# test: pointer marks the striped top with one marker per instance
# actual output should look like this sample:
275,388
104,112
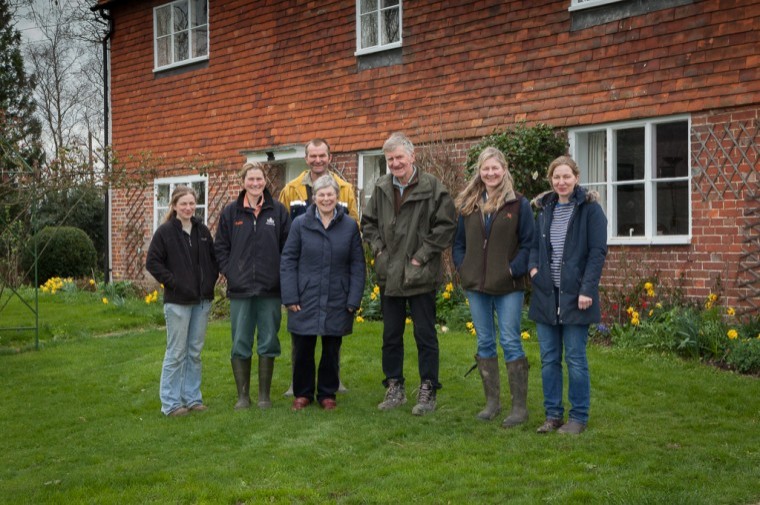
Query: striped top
557,234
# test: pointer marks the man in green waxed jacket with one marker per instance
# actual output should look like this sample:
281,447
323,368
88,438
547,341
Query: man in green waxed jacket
408,222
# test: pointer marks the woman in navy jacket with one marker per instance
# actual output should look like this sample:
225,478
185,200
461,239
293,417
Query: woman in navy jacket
322,274
251,234
566,260
181,257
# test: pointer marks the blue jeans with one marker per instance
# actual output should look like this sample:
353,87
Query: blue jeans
552,339
262,313
181,372
508,310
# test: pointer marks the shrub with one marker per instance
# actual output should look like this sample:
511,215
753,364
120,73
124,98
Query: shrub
62,252
528,150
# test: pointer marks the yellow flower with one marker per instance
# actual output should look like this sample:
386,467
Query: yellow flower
713,297
658,305
148,299
105,301
92,282
650,293
648,286
469,325
372,262
635,321
359,310
376,289
446,295
467,302
525,335
162,286
408,320
359,319
730,311
732,334
449,287
651,312
372,296
629,310
473,332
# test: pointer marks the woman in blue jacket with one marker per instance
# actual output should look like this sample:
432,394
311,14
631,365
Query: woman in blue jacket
566,260
491,249
181,257
251,234
322,275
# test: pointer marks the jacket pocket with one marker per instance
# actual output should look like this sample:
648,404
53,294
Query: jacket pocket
419,276
381,266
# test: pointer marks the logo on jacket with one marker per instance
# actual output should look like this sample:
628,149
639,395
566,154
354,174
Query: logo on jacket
508,215
270,221
239,223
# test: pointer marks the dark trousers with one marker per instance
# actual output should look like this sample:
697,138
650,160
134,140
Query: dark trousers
422,308
303,366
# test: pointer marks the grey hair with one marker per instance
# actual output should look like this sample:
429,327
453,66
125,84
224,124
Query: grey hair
397,140
324,182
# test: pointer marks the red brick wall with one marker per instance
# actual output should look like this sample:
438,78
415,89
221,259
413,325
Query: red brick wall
282,72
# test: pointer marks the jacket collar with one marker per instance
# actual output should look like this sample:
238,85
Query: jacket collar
267,199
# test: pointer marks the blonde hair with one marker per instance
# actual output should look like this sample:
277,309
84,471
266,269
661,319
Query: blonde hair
562,160
253,166
178,193
470,199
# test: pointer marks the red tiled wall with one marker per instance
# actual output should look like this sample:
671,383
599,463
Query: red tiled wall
282,72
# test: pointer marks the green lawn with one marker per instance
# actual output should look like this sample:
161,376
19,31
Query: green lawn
80,423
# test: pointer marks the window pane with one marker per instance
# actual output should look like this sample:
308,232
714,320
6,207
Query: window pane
162,195
163,16
369,30
673,208
368,6
200,12
199,187
602,190
200,42
593,159
630,154
390,26
163,51
180,16
374,167
672,149
389,3
630,210
181,47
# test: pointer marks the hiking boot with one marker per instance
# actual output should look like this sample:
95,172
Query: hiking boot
549,425
572,427
395,395
179,412
425,399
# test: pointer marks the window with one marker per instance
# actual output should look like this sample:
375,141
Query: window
162,194
378,25
371,167
181,33
586,4
641,171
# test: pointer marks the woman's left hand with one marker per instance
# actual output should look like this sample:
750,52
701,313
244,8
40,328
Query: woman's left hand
584,302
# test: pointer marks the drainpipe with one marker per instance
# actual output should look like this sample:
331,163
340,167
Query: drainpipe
106,143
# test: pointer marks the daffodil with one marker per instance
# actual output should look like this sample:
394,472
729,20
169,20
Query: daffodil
446,295
525,335
469,325
732,334
359,319
648,286
730,311
372,296
408,320
92,282
376,289
449,287
105,301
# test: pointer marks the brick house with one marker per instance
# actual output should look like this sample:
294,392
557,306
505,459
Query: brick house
660,100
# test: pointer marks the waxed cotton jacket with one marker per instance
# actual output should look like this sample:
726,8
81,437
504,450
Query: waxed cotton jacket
495,260
294,196
422,229
582,262
323,271
248,247
169,261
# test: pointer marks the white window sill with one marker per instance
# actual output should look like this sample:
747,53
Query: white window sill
377,49
644,241
180,64
590,4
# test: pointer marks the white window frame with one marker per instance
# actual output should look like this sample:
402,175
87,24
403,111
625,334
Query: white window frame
577,5
650,236
360,177
379,47
191,30
183,180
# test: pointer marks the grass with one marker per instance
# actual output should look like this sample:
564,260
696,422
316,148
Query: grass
80,423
